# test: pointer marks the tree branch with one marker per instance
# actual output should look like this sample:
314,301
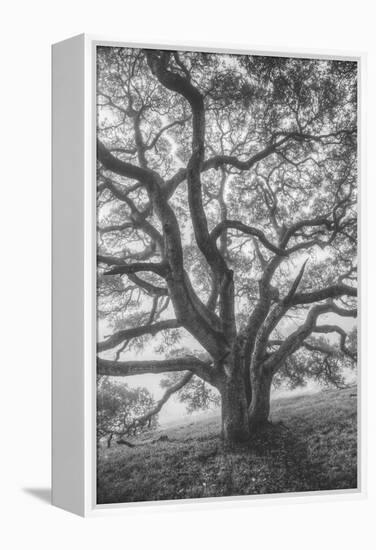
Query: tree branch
315,222
132,368
148,287
125,169
223,160
158,63
228,160
233,224
334,291
123,268
287,300
164,129
142,420
126,334
325,329
295,339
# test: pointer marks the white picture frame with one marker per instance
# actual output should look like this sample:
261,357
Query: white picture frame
74,279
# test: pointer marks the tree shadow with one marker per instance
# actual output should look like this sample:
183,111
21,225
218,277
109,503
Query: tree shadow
41,493
286,453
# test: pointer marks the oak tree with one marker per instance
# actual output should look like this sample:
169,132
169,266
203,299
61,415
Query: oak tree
123,412
226,222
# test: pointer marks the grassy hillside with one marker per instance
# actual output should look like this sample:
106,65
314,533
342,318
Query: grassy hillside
311,446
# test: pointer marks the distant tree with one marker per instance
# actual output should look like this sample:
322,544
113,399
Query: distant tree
227,223
123,411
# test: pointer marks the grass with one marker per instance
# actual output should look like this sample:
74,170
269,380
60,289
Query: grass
311,446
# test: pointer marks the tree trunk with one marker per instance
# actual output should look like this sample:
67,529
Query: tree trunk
235,427
259,409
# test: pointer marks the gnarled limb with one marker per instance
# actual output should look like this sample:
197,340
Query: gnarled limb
142,420
122,168
296,338
122,268
333,291
314,222
158,63
243,228
132,368
275,314
326,329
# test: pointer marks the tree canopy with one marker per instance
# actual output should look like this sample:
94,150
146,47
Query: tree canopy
123,411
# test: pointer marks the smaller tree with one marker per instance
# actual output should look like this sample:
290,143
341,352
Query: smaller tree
195,394
123,411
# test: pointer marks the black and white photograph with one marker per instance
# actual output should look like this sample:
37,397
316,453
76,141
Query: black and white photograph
227,293
188,275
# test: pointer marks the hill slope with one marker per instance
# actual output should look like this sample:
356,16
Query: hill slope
311,446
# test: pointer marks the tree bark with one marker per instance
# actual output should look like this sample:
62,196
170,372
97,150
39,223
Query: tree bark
235,427
259,409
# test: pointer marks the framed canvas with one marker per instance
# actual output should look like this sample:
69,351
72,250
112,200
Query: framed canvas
205,287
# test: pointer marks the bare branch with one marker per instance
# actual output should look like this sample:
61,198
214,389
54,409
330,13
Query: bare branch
295,284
